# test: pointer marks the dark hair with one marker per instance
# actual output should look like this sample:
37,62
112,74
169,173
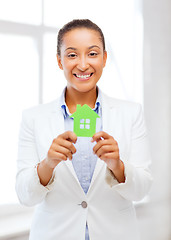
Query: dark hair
77,23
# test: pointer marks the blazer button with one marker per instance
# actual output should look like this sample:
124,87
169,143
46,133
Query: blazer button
84,204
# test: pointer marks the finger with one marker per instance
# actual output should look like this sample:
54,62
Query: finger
67,144
105,149
70,136
100,135
63,150
99,144
109,141
56,156
111,155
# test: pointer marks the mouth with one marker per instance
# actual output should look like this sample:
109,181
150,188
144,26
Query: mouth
83,76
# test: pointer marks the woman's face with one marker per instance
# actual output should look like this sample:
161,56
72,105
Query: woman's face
82,59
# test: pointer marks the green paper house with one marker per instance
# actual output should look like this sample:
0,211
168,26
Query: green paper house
84,121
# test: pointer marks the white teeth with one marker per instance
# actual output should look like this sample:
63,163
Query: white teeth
83,76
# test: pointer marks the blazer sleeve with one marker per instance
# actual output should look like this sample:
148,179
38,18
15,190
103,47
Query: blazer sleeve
28,187
137,165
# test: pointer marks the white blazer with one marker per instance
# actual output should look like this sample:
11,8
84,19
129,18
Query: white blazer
109,213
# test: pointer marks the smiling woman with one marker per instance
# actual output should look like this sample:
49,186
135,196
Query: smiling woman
78,179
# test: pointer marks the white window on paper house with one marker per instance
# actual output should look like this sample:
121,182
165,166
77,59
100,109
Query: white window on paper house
84,123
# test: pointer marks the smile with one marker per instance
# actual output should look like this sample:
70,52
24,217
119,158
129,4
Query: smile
83,76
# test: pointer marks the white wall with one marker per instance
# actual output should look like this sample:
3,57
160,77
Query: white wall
157,105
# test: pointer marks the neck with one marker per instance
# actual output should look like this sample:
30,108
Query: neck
73,97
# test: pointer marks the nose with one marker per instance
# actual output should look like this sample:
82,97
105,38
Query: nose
83,63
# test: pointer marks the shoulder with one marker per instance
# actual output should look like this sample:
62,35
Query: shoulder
119,104
127,112
41,109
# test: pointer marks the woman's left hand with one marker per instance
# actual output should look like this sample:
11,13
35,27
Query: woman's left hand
107,150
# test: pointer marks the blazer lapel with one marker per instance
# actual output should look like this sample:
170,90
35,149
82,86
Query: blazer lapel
106,114
57,123
69,165
99,165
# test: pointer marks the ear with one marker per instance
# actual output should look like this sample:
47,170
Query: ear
104,58
59,62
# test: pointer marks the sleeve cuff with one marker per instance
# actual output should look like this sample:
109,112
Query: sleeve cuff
51,182
112,181
110,178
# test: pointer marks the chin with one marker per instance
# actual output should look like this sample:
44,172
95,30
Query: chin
85,89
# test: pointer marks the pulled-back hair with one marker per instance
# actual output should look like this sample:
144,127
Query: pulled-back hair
78,23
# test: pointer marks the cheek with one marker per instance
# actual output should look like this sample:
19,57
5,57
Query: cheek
99,66
68,64
67,67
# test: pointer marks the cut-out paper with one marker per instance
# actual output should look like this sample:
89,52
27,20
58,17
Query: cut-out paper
84,121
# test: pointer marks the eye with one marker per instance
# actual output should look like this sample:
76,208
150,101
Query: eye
93,54
72,55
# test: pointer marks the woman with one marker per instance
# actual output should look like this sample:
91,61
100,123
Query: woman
83,187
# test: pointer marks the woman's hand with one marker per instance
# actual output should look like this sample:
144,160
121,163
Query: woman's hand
61,149
107,150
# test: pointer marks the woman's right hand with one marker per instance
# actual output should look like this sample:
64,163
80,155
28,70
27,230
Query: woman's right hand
61,149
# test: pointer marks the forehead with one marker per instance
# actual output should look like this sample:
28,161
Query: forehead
81,37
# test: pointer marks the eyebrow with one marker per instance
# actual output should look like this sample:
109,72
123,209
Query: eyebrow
93,46
72,48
